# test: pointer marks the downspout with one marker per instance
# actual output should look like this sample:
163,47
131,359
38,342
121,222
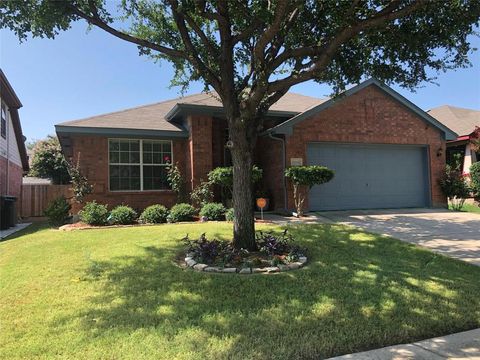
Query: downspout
284,182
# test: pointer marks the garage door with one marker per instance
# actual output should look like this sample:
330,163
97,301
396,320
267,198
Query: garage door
370,176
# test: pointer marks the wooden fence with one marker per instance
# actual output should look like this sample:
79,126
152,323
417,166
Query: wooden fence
35,198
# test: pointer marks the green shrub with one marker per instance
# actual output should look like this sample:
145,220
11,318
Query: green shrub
453,183
475,176
229,215
94,214
202,194
305,177
154,214
223,177
122,215
213,211
181,212
58,211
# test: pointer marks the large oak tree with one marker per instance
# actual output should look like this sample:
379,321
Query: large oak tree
252,51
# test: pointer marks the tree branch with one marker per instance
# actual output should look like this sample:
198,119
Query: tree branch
325,53
192,53
97,21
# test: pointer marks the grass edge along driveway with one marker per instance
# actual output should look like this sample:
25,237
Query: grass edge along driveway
115,293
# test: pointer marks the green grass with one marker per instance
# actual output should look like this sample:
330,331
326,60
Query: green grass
468,208
116,294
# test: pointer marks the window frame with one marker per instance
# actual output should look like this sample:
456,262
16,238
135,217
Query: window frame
3,128
140,164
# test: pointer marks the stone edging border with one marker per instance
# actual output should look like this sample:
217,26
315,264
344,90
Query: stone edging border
191,263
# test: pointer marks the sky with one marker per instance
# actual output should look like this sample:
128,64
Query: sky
84,73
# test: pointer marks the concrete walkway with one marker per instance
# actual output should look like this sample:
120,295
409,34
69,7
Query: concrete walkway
464,345
12,230
455,234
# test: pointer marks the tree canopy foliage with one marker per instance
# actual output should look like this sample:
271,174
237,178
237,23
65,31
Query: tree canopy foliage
48,161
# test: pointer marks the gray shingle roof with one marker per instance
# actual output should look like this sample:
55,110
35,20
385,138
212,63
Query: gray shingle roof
153,116
462,121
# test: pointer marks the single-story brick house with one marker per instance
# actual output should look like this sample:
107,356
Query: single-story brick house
13,155
466,123
386,152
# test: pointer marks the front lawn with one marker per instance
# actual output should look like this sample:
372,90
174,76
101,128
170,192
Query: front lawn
116,294
468,208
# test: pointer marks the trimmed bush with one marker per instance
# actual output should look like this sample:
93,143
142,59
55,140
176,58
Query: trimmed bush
229,215
306,177
213,211
475,176
181,212
58,211
122,215
94,214
154,214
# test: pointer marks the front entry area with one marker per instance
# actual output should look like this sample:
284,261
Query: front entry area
370,176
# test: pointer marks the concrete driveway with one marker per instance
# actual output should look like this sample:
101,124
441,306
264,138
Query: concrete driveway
455,234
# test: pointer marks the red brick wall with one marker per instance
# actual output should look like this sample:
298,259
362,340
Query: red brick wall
199,159
268,156
369,116
93,152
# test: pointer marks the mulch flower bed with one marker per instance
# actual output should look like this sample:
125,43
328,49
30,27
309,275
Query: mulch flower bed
276,253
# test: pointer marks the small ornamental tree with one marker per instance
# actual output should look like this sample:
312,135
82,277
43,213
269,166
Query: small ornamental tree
303,178
80,185
454,184
176,181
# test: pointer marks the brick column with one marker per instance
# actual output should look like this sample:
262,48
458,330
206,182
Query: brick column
200,154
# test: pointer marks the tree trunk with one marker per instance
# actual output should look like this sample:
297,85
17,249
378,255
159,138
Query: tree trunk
242,158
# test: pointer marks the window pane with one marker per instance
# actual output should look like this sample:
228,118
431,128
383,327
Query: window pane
147,145
114,157
157,158
157,147
113,145
134,158
147,158
114,171
155,178
124,145
124,157
134,145
166,147
124,177
114,184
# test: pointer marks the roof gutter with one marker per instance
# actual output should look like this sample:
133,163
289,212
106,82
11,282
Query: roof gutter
123,132
187,109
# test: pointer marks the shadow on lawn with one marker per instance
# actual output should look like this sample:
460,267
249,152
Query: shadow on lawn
355,294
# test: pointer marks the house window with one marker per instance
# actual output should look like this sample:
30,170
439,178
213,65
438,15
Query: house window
137,165
3,124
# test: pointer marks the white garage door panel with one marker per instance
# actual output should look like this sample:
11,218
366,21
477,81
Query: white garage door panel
370,176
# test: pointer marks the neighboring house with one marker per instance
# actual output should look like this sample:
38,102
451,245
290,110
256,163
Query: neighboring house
464,122
386,152
13,155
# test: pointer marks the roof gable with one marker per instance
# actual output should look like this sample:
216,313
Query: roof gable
287,126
